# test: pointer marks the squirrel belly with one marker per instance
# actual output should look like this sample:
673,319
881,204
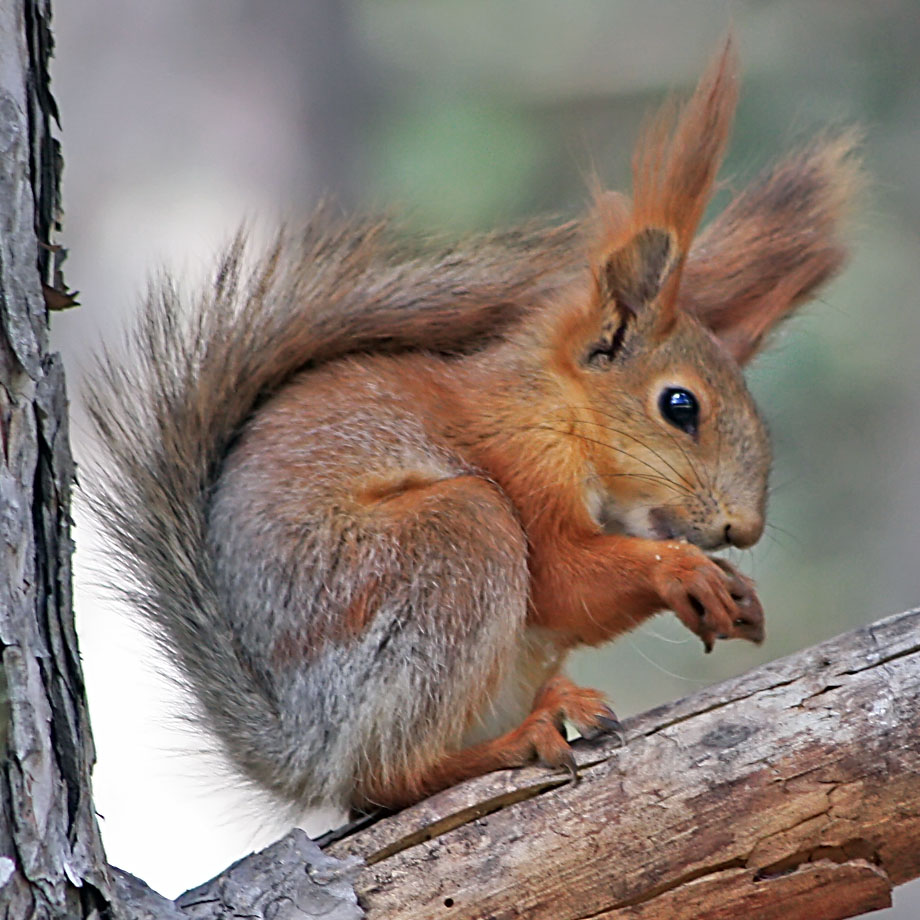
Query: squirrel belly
367,493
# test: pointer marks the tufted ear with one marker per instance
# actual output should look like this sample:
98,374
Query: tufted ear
774,245
629,284
642,243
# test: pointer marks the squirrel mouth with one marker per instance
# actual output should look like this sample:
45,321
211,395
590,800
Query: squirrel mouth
649,524
662,527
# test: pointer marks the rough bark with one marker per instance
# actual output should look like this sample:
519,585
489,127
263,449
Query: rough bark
290,880
51,859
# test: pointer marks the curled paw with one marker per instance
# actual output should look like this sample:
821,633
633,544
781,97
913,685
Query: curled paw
559,701
709,595
749,622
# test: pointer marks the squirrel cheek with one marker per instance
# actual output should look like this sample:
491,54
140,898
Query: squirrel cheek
602,512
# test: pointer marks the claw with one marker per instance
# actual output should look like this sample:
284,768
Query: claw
606,724
568,764
610,726
617,731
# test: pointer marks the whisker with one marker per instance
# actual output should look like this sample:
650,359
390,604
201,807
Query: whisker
644,477
639,441
661,637
786,533
707,485
619,450
720,432
658,667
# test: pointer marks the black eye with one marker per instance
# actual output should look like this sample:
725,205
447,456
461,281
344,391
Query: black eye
680,408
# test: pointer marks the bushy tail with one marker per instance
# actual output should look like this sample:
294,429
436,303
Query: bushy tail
196,369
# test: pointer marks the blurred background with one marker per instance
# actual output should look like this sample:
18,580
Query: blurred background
181,119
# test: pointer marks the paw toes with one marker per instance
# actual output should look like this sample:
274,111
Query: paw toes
551,749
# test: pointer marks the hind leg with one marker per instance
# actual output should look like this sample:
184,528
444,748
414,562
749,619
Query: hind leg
539,738
444,638
480,615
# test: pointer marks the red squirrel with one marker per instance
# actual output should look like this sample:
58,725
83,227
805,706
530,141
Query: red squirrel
369,493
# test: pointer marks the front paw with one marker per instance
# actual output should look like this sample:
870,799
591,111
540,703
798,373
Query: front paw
749,622
710,597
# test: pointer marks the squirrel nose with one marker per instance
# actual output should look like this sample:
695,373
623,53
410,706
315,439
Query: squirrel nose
743,529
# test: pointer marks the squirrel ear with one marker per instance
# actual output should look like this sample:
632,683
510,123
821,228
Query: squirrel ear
631,284
634,275
774,245
643,243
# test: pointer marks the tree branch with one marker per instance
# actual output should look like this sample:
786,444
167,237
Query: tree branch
791,792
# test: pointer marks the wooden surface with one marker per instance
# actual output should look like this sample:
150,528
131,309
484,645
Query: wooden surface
791,792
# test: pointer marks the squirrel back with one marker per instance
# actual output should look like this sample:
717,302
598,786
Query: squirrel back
342,354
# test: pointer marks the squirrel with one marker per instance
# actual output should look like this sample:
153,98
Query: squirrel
369,491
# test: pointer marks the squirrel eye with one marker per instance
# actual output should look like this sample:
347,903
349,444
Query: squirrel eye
680,408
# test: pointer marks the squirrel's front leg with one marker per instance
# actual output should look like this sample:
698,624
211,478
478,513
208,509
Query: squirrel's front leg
600,585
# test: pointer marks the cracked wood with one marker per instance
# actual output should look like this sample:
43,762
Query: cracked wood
792,791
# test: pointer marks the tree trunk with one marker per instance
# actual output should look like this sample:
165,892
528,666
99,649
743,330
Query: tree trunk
791,792
51,859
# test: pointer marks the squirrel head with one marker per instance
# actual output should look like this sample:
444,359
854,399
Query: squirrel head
650,346
672,439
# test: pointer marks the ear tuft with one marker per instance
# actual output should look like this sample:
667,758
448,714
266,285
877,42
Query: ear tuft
681,149
774,245
644,242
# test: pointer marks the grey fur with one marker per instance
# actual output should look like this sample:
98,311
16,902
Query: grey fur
241,427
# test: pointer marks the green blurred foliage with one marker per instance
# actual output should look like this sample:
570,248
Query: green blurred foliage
440,136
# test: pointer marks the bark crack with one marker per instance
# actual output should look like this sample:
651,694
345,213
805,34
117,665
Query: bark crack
466,816
671,885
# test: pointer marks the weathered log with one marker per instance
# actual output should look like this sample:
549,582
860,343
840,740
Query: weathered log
791,792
